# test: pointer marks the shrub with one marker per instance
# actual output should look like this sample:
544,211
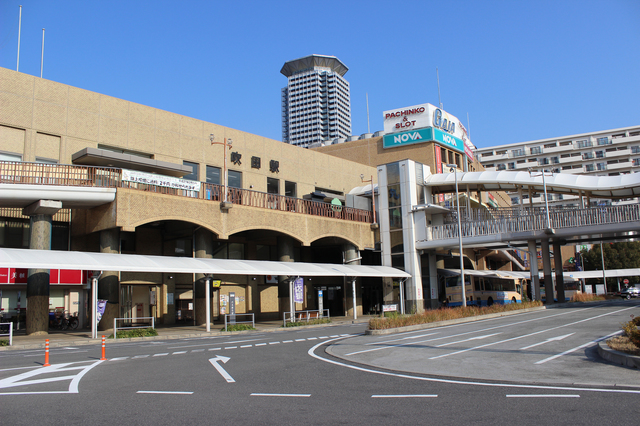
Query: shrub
238,327
631,330
311,322
444,314
136,332
586,297
4,342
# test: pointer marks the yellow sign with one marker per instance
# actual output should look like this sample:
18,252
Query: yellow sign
216,283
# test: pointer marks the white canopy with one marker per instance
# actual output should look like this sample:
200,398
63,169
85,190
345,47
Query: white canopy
50,259
622,186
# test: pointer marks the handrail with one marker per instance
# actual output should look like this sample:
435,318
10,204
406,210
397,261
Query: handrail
10,333
131,320
109,177
559,219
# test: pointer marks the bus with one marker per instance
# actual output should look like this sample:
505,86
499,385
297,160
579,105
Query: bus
571,288
482,288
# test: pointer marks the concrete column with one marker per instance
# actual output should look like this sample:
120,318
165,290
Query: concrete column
350,254
285,254
41,213
546,266
204,250
533,267
168,310
433,281
557,260
109,283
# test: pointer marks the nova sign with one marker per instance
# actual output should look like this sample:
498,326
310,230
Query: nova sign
407,138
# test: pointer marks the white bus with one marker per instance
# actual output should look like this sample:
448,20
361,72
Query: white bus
482,288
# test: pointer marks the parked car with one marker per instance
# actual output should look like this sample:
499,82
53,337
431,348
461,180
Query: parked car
629,292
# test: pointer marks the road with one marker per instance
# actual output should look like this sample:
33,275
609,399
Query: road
486,372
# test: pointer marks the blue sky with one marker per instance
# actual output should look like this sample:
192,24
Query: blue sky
522,70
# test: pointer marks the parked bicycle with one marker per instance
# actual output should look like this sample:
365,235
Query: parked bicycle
61,321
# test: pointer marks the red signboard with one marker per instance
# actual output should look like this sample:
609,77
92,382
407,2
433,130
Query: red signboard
56,276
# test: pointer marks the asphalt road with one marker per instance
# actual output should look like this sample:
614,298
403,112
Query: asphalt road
312,376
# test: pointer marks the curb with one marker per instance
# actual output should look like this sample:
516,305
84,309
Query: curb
448,322
617,357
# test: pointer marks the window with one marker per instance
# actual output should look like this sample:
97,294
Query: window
46,160
235,179
487,154
636,161
587,155
583,143
501,167
555,160
543,161
536,150
604,141
601,166
566,143
194,171
589,168
518,152
214,175
5,156
290,189
599,154
550,145
511,166
273,186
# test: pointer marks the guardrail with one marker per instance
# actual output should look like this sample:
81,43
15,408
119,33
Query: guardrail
558,219
107,177
228,316
299,316
132,321
10,333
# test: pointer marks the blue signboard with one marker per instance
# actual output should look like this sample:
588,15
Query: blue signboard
449,140
407,138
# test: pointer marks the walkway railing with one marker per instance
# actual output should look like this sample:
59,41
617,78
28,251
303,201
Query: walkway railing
537,221
106,177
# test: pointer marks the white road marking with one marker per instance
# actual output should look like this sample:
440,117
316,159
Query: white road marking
197,350
293,395
312,353
543,396
179,353
404,396
140,356
398,340
300,340
312,338
469,339
119,359
215,349
533,334
261,344
162,354
246,346
222,371
231,347
25,379
287,341
168,392
274,343
593,342
552,339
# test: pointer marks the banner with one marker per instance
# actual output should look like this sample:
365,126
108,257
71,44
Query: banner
298,290
159,180
102,304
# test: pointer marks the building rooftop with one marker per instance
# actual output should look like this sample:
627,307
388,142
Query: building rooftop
309,62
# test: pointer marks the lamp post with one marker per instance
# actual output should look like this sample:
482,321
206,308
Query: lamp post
548,230
226,143
454,169
373,196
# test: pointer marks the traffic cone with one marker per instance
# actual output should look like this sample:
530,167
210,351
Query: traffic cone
46,354
104,358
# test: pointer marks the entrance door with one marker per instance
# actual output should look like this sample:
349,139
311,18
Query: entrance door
333,300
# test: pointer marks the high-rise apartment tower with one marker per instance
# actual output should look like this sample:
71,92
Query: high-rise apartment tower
316,103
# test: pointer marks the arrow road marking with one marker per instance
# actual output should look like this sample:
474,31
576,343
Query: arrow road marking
547,341
466,340
222,371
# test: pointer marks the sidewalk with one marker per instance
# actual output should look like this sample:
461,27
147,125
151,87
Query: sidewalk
83,337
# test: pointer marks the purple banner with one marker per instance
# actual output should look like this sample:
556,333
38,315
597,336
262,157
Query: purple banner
298,290
102,304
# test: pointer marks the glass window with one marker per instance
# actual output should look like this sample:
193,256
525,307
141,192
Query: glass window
394,195
290,189
395,218
214,175
273,186
4,156
393,173
235,179
194,171
396,241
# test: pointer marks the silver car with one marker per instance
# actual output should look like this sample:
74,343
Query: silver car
629,292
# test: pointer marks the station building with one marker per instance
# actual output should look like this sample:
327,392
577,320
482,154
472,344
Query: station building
83,171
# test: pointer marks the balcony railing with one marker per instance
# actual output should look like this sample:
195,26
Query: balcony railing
106,177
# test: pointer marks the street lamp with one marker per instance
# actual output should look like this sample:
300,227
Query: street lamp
454,168
226,143
549,229
373,197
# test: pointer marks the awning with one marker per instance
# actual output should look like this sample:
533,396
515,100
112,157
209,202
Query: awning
51,259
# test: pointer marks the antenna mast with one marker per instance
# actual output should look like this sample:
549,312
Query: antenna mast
368,128
438,77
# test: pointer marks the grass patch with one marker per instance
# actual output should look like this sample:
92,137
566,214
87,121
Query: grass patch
443,314
238,327
586,297
4,342
311,322
136,332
